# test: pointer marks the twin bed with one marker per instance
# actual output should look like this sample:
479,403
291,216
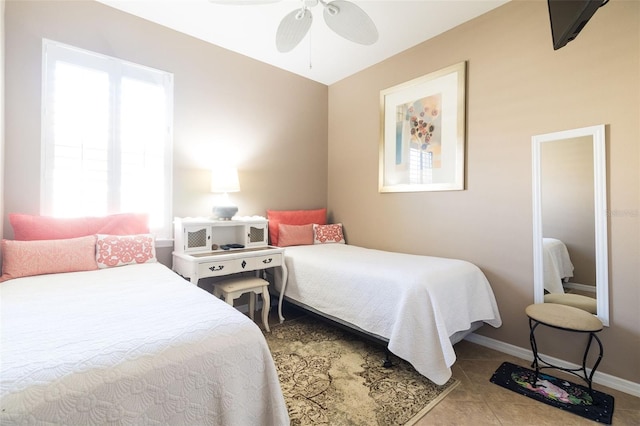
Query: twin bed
419,306
137,344
132,344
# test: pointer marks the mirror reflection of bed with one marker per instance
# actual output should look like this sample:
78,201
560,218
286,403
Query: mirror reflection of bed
558,268
559,286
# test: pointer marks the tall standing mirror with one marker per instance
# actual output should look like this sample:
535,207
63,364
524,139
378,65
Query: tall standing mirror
570,220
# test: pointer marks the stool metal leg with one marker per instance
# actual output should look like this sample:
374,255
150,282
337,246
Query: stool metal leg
584,359
537,360
534,349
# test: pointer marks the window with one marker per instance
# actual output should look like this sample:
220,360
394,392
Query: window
420,165
107,137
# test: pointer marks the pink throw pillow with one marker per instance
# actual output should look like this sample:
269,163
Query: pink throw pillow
120,250
323,234
26,258
28,227
295,235
293,217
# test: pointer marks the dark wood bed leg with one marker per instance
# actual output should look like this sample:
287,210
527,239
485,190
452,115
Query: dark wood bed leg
387,359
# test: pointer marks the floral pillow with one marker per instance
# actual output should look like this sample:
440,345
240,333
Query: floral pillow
120,250
323,234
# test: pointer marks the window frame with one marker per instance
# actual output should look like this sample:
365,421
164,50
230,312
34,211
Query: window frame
117,69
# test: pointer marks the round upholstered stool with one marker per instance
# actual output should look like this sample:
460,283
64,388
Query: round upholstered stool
567,318
577,301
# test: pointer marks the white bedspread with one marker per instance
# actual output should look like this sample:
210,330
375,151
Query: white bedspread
416,302
556,264
131,345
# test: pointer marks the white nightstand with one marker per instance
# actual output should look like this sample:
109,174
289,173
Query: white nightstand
194,258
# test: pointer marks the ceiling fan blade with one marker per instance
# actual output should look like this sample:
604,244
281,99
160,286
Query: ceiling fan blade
349,21
243,2
292,29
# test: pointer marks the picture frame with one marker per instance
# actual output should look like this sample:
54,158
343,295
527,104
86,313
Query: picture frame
423,133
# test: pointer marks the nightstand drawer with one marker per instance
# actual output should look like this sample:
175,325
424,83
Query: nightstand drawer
220,263
222,267
267,261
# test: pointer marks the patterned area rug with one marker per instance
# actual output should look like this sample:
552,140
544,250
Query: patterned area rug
560,393
332,377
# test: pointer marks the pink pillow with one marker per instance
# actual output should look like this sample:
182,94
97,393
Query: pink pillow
119,250
26,258
28,227
323,234
295,235
293,217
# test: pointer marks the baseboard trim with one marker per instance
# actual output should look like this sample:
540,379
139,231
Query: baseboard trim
604,379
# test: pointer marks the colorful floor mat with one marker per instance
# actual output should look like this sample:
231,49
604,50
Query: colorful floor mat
559,393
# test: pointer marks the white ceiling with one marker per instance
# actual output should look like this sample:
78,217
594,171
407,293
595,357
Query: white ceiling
322,56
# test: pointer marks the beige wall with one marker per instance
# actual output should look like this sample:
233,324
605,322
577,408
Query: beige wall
518,86
272,123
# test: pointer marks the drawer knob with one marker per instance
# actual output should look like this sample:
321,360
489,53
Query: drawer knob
215,268
267,261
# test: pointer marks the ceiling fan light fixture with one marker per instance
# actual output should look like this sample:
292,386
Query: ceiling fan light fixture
343,17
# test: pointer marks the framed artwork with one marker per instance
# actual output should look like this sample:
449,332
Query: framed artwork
422,139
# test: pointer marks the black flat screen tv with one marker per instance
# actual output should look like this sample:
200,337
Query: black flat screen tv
568,17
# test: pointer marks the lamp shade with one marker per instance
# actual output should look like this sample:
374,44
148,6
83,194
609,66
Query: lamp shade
224,179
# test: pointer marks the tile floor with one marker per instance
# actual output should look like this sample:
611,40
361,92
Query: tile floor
478,402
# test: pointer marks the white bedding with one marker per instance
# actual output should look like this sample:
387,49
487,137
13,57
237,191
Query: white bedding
556,264
131,345
415,302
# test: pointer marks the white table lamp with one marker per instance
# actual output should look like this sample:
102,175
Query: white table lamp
224,180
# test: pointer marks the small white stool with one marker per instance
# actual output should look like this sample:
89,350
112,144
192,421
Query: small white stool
233,288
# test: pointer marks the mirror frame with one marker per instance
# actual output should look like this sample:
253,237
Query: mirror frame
600,214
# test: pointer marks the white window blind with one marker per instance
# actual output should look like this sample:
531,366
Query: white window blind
107,137
420,165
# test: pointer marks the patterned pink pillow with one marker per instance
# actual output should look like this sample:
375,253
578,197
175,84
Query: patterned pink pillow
295,235
323,234
27,258
120,250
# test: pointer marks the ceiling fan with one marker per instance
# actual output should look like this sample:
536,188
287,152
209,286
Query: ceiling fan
343,17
